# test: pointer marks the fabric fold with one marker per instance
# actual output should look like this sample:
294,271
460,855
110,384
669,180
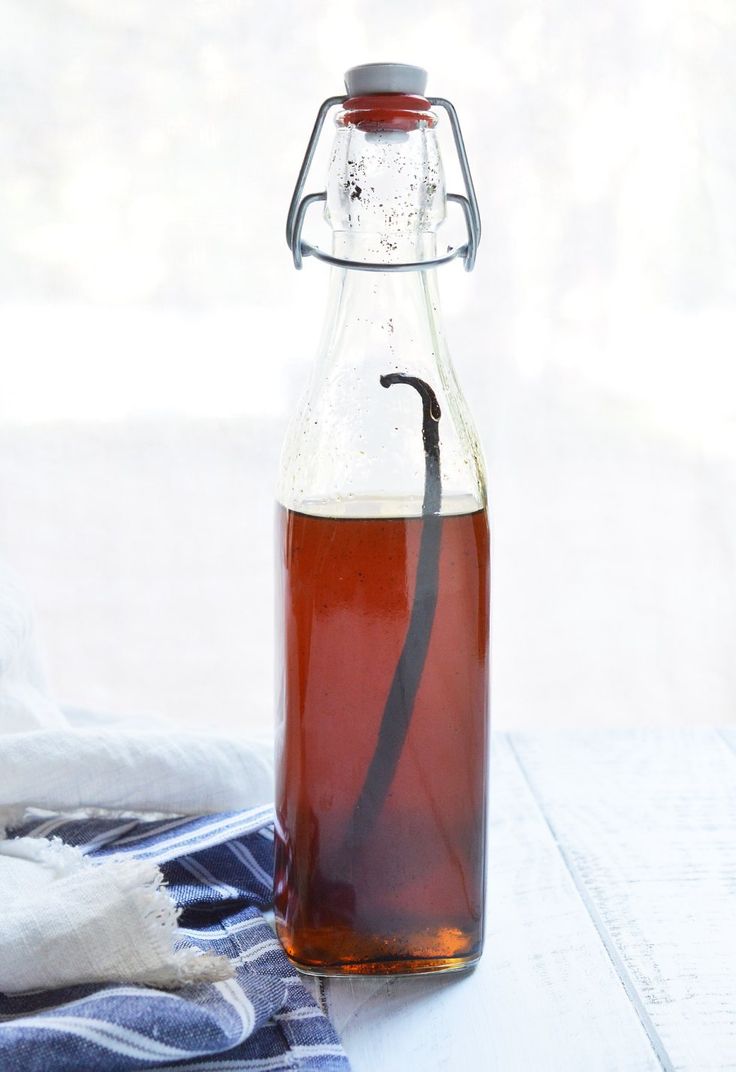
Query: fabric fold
69,920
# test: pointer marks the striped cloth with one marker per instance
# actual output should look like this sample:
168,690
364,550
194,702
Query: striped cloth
219,869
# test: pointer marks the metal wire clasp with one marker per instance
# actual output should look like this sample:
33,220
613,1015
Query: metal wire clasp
300,248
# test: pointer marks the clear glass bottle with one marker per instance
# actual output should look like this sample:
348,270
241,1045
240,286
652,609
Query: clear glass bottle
383,560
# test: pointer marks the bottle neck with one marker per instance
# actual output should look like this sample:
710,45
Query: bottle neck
385,248
380,319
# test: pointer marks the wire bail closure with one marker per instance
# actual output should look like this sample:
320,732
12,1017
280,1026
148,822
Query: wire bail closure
299,206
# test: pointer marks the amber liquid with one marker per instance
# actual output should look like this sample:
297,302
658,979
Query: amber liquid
409,896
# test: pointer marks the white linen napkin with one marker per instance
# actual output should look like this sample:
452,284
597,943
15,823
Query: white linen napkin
67,919
180,773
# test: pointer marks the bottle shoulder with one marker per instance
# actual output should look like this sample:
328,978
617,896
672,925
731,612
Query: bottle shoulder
360,431
353,448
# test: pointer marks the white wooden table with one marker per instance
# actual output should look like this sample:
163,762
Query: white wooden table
611,928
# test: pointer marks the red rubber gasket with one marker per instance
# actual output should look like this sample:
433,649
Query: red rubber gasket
387,111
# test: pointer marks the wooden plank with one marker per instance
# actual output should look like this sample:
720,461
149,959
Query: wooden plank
545,995
647,823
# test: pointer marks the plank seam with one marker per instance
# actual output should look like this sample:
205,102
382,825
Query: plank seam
608,944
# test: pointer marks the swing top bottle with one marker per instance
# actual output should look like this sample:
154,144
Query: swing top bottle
383,560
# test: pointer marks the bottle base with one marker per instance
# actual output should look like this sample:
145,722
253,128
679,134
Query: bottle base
389,969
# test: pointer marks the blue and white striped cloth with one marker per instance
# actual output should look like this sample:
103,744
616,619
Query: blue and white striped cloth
219,869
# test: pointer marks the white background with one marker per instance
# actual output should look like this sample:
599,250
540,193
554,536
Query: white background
154,337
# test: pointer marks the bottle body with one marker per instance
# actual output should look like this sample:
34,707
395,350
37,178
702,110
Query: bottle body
410,897
383,574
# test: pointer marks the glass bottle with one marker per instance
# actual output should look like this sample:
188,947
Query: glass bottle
383,561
